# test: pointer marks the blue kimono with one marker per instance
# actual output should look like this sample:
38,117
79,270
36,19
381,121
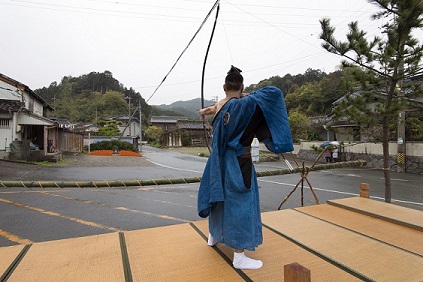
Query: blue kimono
228,192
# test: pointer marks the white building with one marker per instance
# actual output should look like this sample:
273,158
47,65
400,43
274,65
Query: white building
24,125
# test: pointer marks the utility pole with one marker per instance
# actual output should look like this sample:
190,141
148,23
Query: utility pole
140,140
129,112
54,105
401,156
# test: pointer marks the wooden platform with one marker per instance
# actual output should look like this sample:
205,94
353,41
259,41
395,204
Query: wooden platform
350,239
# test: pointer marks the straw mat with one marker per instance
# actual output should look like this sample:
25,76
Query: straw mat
276,251
8,255
391,233
358,239
364,256
175,253
93,258
400,215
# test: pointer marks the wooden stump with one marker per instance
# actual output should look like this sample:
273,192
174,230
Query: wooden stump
295,272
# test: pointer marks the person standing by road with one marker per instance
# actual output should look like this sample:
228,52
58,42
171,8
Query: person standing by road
228,192
328,156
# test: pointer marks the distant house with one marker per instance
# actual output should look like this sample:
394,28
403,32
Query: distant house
345,130
131,130
85,128
63,123
319,124
70,139
179,131
193,132
25,128
131,133
167,123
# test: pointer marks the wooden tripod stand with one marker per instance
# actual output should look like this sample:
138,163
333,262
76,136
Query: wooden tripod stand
304,171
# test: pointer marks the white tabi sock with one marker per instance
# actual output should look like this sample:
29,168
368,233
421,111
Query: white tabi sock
211,242
241,261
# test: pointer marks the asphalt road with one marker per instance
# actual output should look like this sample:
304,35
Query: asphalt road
35,215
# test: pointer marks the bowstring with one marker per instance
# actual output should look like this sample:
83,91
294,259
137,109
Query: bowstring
216,4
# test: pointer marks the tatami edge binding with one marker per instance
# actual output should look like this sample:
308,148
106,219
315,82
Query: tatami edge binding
320,255
125,258
361,234
228,260
15,263
378,216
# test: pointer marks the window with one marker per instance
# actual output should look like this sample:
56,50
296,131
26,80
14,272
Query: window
4,123
31,105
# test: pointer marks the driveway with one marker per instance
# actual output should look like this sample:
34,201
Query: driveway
73,167
80,167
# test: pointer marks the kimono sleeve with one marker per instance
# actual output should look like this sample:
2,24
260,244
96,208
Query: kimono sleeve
271,101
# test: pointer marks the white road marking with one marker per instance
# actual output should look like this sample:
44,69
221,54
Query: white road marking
315,188
175,168
340,192
395,179
305,186
341,174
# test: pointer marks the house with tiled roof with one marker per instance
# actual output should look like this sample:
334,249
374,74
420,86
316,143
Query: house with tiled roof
24,122
350,131
130,126
180,131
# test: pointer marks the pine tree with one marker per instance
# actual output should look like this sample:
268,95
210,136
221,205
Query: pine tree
385,61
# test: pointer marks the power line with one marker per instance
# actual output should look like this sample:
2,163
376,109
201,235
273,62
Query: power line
67,7
119,13
183,51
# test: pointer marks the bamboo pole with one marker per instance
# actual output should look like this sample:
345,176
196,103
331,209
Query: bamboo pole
153,182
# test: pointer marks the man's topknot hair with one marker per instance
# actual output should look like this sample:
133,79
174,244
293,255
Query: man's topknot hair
234,79
234,70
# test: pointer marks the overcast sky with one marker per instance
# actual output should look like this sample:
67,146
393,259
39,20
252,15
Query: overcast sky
139,41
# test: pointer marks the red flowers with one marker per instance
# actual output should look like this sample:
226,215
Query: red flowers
102,153
129,153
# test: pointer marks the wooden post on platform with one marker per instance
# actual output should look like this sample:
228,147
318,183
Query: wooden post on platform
295,272
364,190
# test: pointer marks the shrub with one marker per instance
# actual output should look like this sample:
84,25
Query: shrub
113,145
155,144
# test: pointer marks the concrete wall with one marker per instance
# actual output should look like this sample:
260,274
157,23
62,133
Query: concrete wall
414,149
372,154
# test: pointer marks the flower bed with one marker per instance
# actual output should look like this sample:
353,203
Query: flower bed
102,153
129,153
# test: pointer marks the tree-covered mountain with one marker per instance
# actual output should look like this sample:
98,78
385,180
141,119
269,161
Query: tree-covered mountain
187,108
289,83
90,97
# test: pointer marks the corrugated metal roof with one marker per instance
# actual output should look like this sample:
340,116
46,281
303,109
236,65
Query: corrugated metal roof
123,119
191,124
7,92
29,119
166,119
